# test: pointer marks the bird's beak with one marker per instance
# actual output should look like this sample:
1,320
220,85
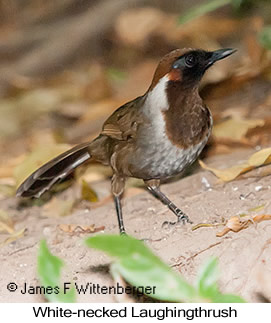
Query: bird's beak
220,54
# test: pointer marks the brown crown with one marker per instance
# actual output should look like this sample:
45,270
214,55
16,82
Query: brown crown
165,64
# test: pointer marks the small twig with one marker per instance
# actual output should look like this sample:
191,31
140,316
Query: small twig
196,254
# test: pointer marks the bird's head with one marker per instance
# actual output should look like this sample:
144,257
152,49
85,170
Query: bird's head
187,66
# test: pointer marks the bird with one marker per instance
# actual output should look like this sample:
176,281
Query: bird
153,137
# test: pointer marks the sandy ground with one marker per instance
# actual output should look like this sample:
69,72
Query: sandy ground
244,257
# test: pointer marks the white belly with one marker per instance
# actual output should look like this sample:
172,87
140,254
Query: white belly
165,159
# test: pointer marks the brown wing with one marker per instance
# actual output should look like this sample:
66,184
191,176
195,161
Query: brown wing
123,123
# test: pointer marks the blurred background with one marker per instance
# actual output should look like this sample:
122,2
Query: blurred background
65,65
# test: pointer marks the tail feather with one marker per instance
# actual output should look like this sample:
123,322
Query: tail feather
56,169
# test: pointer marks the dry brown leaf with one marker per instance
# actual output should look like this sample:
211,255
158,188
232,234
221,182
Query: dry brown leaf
237,223
138,80
233,82
254,48
129,192
235,129
7,190
57,207
102,202
260,158
204,225
219,149
90,123
261,217
87,192
134,182
132,191
227,174
7,167
99,110
6,223
37,158
261,136
76,228
135,26
93,173
257,208
16,235
209,25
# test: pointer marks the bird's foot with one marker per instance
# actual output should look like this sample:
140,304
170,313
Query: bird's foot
182,219
168,224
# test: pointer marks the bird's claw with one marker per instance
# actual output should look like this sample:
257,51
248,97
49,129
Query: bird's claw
182,218
168,224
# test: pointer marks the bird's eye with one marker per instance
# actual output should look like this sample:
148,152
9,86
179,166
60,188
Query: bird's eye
190,60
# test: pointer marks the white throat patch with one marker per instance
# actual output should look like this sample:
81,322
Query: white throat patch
157,97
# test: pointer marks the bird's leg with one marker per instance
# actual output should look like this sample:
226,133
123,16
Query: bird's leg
153,187
117,186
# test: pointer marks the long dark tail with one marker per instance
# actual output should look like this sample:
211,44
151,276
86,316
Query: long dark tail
58,168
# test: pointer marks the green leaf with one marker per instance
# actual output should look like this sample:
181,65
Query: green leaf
201,10
237,4
116,74
207,284
49,271
140,267
228,298
207,279
265,37
242,6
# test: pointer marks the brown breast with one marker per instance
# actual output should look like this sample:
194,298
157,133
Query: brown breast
188,120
